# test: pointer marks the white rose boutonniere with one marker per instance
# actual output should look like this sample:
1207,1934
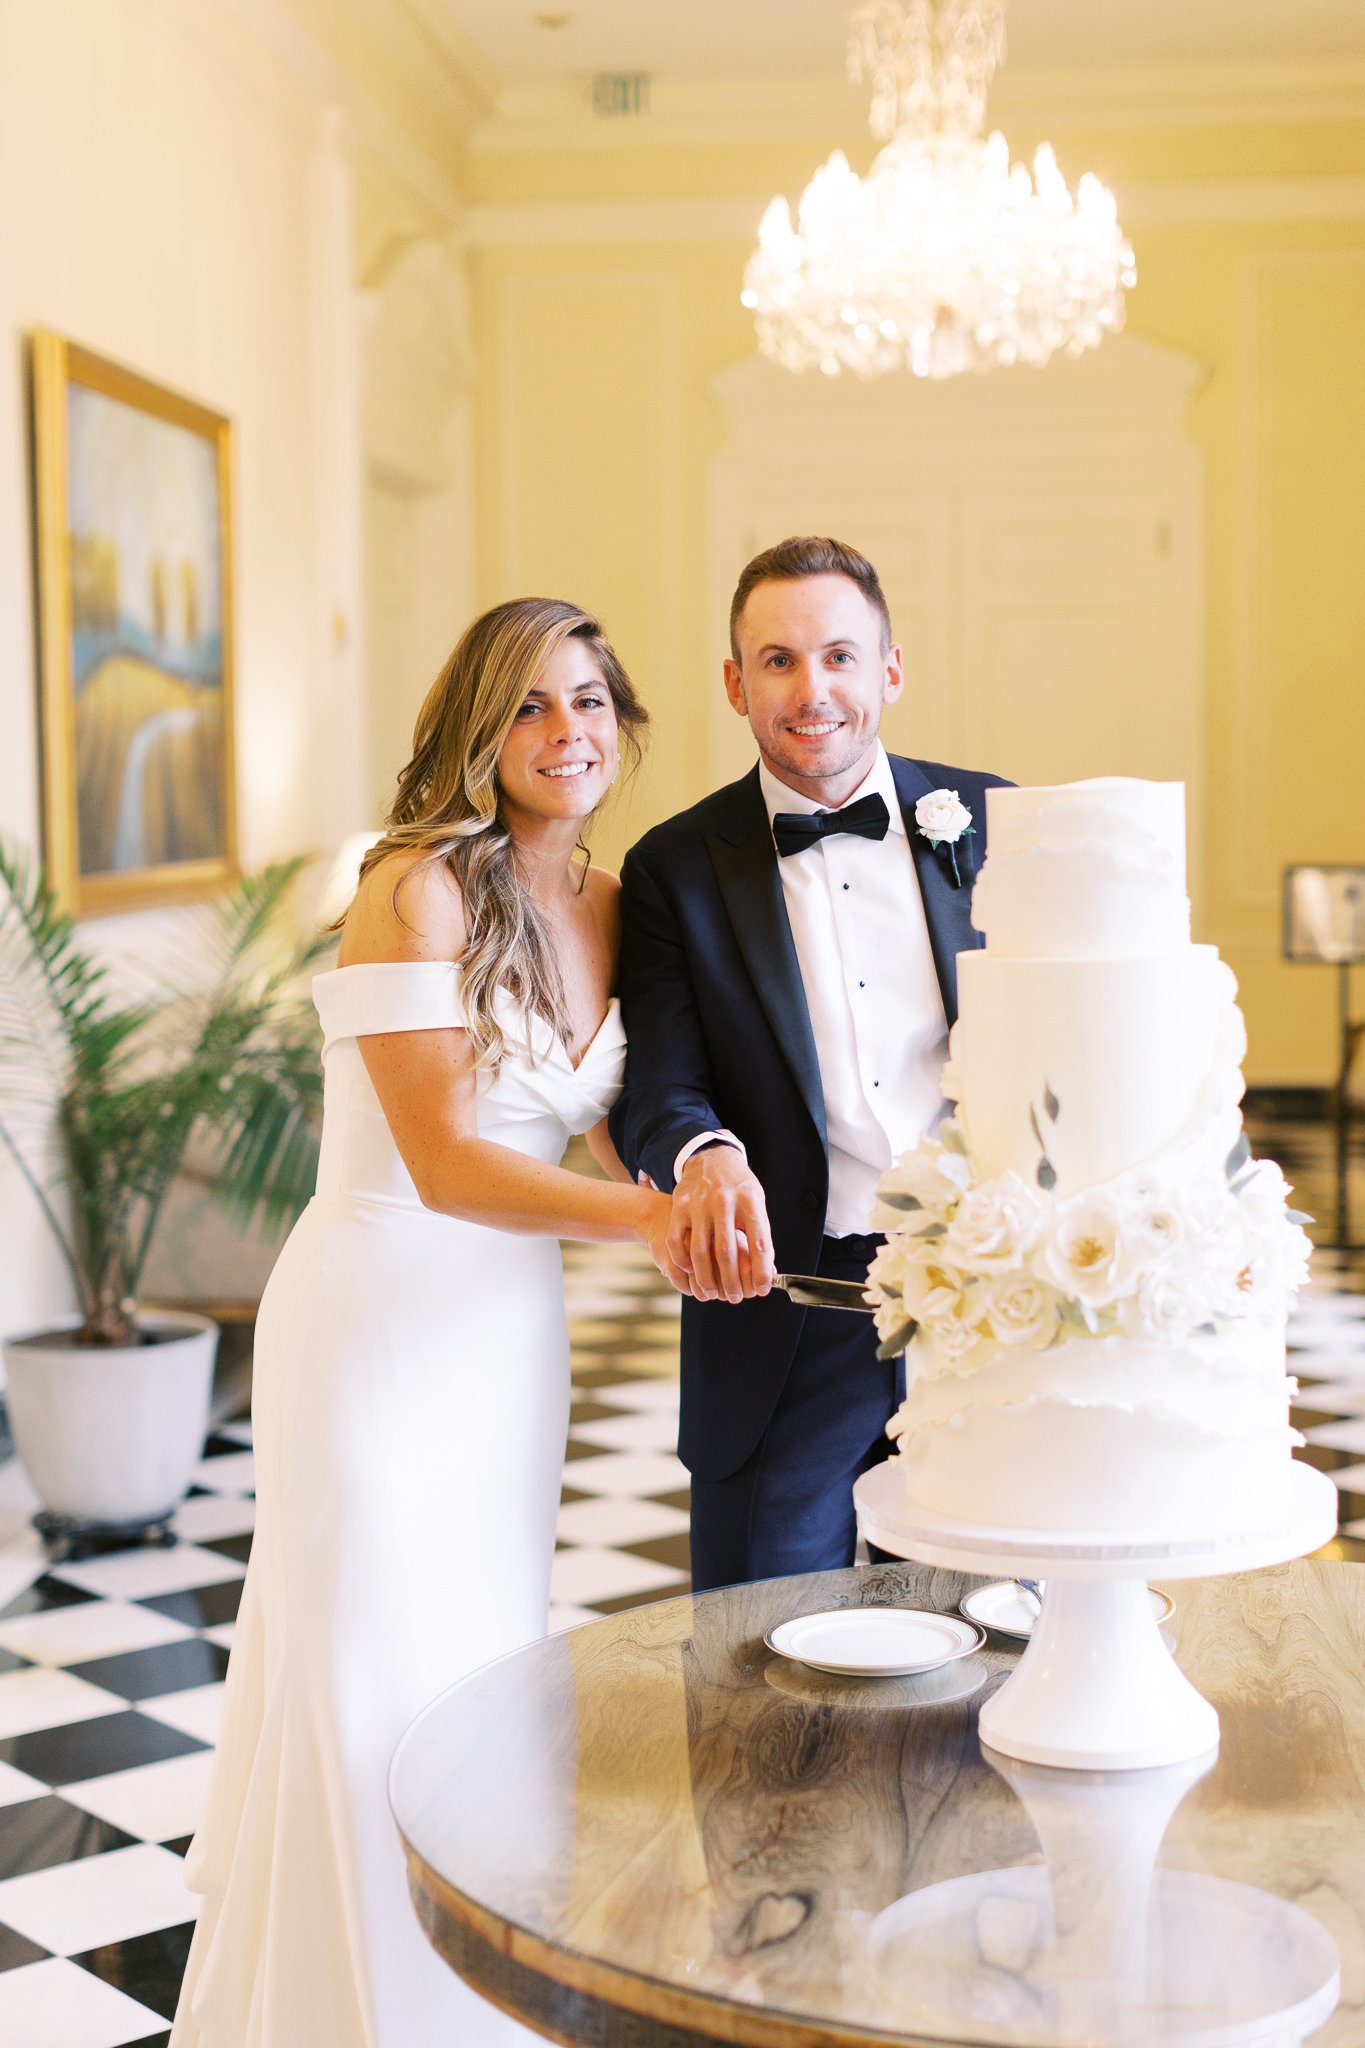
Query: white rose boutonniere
944,819
942,816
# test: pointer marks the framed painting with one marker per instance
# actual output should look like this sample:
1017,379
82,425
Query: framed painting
133,496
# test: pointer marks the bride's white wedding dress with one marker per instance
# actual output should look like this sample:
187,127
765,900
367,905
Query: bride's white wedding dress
410,1406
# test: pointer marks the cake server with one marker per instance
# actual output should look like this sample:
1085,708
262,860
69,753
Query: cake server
808,1290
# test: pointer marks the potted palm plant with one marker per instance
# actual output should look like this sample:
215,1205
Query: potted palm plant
101,1089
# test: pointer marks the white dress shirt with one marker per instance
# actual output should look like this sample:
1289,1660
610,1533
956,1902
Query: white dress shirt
876,1011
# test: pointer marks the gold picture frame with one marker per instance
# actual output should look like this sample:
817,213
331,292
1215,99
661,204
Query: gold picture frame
133,491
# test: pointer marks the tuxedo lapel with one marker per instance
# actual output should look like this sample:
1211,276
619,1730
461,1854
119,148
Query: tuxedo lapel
745,864
947,909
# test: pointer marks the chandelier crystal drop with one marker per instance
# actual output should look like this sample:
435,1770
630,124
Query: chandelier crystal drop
945,257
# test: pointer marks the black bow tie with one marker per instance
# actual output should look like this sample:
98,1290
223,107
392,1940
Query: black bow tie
794,831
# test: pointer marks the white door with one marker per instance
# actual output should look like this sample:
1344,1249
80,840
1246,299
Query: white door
1038,535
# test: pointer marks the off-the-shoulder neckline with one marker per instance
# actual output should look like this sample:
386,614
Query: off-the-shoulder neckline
453,967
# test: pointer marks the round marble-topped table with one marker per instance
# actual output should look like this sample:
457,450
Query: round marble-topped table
651,1832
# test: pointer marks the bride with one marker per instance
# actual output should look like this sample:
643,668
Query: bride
411,1367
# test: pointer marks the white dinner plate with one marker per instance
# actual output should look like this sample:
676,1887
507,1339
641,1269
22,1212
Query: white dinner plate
1007,1610
875,1642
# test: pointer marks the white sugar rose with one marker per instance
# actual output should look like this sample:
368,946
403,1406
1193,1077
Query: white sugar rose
996,1226
931,1176
932,1292
1093,1253
906,1284
954,1338
1208,1215
942,816
889,1318
1262,1196
1156,1217
1296,1249
1168,1306
1021,1310
1273,1267
886,1274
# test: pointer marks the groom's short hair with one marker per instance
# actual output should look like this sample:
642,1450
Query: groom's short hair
809,554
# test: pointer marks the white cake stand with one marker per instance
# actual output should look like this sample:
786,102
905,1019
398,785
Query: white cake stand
1099,1942
1096,1688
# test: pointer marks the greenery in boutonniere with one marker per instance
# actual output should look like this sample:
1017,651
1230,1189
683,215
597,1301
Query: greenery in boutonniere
101,1090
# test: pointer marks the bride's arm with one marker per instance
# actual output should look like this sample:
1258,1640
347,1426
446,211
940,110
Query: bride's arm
426,1089
599,1143
425,1082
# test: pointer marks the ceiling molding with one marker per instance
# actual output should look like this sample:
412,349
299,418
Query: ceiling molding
322,69
560,115
1154,204
435,19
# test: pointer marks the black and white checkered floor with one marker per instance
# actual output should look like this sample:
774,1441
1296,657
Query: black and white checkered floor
111,1671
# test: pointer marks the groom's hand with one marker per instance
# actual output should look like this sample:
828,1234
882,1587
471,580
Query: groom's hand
719,1229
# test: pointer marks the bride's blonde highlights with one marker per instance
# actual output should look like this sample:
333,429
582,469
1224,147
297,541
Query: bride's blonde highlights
447,805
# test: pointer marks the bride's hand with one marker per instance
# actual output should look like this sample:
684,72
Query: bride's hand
652,1232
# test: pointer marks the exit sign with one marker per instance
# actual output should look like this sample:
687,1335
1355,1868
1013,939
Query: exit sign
617,93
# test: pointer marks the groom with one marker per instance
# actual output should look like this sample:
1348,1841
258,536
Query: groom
788,979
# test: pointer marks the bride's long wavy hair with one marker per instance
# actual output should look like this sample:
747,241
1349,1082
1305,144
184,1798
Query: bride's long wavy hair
447,806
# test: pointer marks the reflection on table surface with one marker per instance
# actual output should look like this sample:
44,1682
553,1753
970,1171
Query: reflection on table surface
658,1812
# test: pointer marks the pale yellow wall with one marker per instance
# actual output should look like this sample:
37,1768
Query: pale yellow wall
175,194
596,430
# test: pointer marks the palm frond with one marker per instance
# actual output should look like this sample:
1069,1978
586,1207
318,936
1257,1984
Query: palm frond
238,949
267,1167
49,988
114,1089
33,1180
245,915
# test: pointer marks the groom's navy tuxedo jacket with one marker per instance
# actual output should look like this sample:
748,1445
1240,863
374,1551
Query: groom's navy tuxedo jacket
719,1036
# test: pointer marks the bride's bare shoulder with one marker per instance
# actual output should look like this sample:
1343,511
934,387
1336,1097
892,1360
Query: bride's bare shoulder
603,890
406,908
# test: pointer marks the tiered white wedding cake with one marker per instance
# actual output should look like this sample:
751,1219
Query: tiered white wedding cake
1089,1276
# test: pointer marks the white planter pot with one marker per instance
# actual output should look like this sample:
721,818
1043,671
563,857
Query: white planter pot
110,1434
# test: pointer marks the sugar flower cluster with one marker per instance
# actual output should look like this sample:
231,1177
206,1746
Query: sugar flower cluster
1165,1252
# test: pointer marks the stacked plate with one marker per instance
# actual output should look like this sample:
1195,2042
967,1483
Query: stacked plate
1009,1609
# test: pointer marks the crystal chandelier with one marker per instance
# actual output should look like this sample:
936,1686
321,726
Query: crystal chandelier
944,258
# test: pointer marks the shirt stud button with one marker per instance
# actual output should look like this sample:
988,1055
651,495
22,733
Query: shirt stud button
845,888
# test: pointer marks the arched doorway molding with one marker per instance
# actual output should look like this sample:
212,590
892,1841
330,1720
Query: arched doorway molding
418,376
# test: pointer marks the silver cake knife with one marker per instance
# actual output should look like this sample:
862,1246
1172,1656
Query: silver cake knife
808,1290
